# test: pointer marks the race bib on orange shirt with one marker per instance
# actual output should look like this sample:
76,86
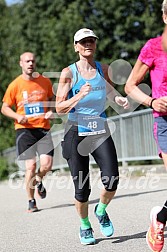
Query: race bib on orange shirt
34,109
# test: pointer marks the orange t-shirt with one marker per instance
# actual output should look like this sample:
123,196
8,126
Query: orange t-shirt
30,98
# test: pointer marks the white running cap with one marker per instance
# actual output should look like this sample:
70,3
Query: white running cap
83,33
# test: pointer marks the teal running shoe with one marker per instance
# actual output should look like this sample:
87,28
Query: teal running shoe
106,225
86,236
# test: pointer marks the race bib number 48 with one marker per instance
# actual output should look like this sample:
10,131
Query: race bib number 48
90,125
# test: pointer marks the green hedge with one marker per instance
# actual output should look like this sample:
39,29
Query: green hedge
5,169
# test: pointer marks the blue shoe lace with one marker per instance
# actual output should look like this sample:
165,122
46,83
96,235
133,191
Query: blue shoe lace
104,220
87,233
86,236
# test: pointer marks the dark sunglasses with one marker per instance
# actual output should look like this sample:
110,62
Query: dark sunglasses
87,41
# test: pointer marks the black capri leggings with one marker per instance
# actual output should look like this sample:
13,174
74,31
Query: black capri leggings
76,149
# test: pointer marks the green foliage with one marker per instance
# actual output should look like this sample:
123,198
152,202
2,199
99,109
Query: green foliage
47,28
4,169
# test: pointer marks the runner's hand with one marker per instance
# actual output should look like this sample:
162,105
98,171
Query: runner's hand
160,104
85,89
122,101
22,119
49,115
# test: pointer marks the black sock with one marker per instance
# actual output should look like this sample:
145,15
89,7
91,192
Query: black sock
162,215
32,201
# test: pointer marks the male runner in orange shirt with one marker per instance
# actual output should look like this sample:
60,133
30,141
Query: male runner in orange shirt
30,95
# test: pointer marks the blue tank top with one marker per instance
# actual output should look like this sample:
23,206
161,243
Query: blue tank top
93,104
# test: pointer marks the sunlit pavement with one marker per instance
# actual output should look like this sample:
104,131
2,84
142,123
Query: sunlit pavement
55,227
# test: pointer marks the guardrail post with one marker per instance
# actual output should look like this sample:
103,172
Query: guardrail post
123,141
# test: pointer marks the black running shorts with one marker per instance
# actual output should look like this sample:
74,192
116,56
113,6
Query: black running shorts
30,142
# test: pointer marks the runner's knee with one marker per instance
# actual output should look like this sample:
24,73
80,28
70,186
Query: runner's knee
110,184
31,167
82,195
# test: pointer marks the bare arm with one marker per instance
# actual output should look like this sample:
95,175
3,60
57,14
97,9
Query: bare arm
7,111
63,104
112,93
131,88
51,107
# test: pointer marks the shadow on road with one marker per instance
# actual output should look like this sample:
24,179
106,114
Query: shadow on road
97,200
125,238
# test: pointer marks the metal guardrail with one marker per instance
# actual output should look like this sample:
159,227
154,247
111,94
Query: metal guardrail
131,132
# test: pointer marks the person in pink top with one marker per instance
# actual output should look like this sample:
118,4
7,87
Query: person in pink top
153,58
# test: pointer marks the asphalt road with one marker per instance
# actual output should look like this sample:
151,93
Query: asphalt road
55,227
